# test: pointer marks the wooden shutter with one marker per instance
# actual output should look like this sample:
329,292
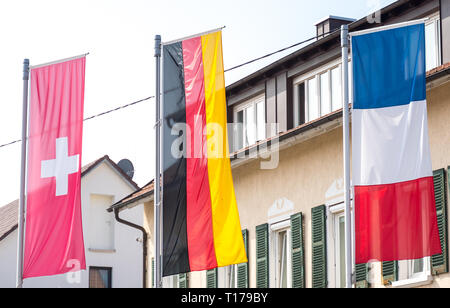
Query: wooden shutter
262,256
319,247
390,272
183,281
153,272
362,272
242,269
297,251
439,263
211,279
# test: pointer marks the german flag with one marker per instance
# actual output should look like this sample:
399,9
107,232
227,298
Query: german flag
201,227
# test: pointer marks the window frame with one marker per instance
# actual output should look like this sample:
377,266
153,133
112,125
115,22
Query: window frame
171,282
253,102
413,279
337,252
333,213
224,274
316,74
274,252
435,19
102,268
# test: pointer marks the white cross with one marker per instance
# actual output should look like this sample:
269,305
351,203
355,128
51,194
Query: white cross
61,167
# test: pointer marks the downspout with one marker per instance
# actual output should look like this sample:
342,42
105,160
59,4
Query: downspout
144,247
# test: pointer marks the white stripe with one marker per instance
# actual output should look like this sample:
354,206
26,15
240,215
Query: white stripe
391,145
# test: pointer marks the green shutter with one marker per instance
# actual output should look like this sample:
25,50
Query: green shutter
211,279
319,247
390,272
262,256
298,251
153,272
183,281
242,269
440,262
362,272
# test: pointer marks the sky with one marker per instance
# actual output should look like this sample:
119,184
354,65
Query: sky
120,69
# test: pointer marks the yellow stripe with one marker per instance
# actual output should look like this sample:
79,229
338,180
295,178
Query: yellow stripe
228,241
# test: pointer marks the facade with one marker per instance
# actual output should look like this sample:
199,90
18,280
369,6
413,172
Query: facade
287,165
111,248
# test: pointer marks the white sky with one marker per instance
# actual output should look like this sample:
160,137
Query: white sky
119,35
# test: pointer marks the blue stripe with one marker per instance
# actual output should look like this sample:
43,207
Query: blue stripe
389,67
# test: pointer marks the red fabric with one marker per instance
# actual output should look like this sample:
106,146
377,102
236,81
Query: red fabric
54,235
396,221
199,213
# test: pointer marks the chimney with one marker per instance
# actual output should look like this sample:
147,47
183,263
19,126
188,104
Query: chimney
331,23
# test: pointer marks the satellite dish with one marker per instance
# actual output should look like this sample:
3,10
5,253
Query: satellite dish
126,167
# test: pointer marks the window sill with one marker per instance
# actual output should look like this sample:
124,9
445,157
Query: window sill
423,280
102,250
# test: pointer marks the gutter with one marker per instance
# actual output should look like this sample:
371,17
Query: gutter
144,247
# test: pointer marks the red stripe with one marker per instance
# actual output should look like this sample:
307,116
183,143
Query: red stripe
396,221
199,213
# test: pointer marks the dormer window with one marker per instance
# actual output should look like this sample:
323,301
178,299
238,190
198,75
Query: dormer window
250,118
317,94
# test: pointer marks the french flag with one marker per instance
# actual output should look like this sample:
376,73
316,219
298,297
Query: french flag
395,210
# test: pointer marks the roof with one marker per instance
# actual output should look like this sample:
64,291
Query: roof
333,40
438,72
140,194
8,218
89,167
9,213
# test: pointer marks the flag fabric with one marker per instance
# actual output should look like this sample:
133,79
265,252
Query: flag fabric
395,210
54,234
201,226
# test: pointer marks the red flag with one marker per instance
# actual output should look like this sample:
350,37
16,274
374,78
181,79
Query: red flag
54,231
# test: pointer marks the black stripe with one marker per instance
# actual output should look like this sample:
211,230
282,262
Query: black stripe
175,244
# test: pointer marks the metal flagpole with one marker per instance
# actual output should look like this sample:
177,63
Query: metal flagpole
346,133
21,220
157,201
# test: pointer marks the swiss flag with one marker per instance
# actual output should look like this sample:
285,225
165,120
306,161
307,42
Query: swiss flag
54,232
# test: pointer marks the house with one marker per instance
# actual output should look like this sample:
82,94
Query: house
287,165
111,248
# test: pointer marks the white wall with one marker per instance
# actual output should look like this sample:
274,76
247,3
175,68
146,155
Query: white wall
8,251
125,257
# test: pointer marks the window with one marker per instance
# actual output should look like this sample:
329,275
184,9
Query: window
170,282
325,94
433,42
227,277
251,120
281,273
336,246
317,93
413,272
100,277
101,235
313,101
339,231
336,86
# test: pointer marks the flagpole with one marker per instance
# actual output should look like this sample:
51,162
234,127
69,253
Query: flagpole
157,201
21,218
346,133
